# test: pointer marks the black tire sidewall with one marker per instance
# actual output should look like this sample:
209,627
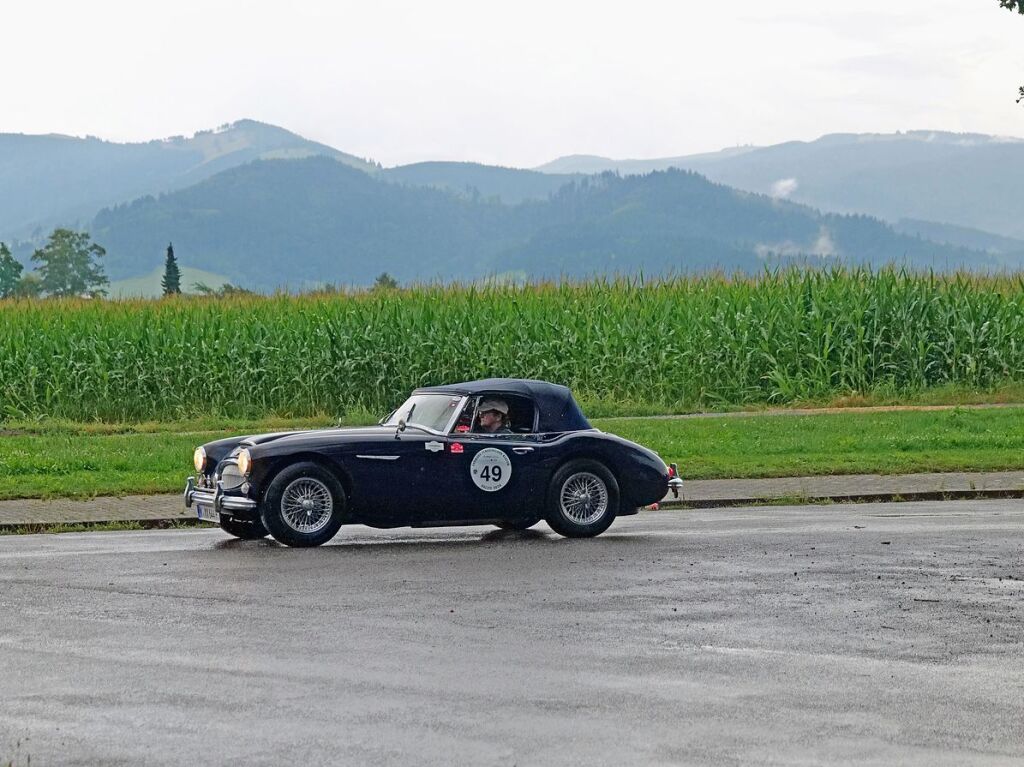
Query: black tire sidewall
247,530
570,528
270,507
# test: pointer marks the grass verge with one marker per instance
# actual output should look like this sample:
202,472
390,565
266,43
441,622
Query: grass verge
103,527
55,459
903,442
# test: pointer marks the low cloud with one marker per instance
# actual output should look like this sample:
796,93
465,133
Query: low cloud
822,247
784,187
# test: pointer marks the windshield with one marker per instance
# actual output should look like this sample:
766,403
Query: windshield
431,411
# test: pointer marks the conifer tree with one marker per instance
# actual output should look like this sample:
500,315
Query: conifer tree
171,281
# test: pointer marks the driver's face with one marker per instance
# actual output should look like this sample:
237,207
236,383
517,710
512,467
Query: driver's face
489,419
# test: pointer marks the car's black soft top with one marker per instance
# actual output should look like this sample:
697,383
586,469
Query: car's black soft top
558,411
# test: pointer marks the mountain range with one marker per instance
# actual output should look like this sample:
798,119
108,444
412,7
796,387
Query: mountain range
62,180
964,179
299,222
269,208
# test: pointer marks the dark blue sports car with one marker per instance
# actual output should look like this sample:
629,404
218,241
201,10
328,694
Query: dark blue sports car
503,452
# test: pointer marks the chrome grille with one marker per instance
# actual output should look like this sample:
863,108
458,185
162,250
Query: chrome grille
230,476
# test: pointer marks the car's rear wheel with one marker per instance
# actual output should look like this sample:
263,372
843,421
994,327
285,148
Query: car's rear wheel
583,499
243,528
304,505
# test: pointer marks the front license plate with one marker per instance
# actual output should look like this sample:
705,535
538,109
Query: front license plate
207,513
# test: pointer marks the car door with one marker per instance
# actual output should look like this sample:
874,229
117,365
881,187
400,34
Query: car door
402,480
493,476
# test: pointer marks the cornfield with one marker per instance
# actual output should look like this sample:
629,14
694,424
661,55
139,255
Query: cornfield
673,344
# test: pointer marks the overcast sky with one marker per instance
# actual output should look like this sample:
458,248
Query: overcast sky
513,83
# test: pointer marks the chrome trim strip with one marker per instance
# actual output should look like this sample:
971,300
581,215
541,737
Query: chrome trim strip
379,457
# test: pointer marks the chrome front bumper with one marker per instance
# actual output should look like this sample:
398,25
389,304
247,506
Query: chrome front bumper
216,499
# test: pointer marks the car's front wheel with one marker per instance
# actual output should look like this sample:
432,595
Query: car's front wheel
304,505
243,528
583,499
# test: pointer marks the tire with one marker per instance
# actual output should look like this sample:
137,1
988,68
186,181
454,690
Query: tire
517,524
242,528
285,512
591,511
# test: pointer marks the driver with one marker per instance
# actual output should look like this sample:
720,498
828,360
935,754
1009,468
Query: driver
492,416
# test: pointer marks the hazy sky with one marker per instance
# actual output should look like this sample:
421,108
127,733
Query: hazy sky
513,83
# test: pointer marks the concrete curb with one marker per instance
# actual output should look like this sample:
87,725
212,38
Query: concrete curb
886,497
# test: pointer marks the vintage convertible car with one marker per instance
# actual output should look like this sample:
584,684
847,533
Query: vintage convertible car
429,464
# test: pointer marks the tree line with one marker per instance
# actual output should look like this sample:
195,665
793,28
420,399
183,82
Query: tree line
68,265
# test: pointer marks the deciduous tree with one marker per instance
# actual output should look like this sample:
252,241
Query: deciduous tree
10,272
66,265
29,286
385,281
1018,6
225,290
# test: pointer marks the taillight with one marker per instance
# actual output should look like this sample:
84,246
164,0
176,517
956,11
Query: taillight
671,471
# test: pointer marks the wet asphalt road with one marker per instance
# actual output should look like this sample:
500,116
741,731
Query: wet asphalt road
873,633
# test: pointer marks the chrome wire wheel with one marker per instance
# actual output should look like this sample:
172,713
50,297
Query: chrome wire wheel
307,505
583,498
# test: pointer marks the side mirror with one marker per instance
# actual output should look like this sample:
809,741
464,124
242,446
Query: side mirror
403,420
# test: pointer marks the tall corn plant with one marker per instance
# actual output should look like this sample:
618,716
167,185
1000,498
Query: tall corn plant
672,344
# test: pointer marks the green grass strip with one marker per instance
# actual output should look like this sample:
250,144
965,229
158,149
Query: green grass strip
72,460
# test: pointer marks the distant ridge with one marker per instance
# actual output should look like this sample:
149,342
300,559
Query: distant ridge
51,180
965,179
592,163
473,180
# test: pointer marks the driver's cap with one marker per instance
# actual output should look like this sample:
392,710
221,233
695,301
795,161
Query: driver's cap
494,404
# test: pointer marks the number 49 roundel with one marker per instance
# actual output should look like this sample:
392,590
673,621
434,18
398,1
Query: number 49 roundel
491,469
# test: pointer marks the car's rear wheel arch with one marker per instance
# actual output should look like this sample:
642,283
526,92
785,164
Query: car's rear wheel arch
586,455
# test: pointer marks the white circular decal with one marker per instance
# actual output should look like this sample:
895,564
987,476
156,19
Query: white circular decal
491,469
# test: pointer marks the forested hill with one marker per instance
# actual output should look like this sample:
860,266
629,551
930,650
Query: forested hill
475,181
291,222
965,179
296,222
61,180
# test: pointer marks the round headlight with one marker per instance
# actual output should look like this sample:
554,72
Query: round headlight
244,462
199,458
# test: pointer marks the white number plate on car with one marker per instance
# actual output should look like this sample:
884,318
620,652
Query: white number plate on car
207,513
